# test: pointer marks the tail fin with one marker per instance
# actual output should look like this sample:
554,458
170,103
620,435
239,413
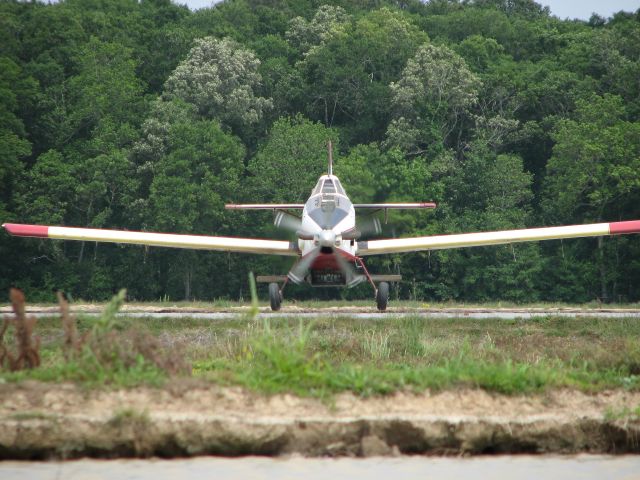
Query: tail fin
330,148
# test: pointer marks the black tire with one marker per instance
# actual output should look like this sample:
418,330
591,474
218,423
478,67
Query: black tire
274,296
382,297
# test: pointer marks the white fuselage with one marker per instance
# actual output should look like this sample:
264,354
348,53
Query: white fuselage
327,214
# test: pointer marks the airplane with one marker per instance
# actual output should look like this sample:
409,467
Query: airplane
329,247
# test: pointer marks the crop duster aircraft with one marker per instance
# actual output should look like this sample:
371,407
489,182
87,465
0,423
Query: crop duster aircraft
330,247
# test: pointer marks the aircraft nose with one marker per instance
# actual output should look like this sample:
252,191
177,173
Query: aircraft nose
327,238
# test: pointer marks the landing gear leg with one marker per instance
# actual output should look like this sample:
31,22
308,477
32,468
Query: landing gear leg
382,296
275,296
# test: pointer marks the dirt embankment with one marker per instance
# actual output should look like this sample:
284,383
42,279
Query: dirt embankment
53,421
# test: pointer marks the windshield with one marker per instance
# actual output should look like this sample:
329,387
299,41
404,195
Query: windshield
328,186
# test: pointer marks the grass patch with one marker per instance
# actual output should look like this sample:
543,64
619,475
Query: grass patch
129,417
31,415
299,359
627,414
325,356
93,374
107,350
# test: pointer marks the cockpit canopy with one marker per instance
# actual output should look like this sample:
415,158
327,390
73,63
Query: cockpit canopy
328,184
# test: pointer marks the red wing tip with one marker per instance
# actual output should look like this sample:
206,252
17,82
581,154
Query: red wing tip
22,230
620,228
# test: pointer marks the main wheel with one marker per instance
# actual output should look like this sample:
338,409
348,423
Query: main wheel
382,297
274,296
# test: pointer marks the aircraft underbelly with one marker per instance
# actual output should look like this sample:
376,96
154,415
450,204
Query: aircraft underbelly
325,271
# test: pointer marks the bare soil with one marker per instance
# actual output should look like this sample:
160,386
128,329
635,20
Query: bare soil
193,418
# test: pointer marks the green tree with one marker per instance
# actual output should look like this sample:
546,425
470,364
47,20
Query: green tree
48,187
498,92
14,147
287,165
196,175
486,192
326,22
595,163
434,93
347,76
594,173
220,78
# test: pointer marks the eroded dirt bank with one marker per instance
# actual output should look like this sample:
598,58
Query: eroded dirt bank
54,421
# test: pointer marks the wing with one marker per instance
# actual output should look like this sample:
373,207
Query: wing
264,206
201,242
439,242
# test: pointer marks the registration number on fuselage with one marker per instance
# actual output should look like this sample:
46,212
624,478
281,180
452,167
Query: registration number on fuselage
327,277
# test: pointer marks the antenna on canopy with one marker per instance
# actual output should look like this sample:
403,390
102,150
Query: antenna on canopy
330,148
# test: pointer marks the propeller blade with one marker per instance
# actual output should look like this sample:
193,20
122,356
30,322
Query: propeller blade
351,276
287,221
301,267
302,235
369,226
351,234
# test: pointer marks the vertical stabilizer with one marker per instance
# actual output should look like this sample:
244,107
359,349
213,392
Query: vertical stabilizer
330,148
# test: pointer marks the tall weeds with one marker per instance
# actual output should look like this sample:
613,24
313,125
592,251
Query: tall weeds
114,345
26,355
112,350
72,341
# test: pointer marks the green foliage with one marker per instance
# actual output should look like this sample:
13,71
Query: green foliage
145,115
107,321
287,165
435,90
596,161
201,167
219,77
292,358
50,186
110,353
325,23
347,74
347,354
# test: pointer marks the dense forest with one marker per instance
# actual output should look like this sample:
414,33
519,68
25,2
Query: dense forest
143,115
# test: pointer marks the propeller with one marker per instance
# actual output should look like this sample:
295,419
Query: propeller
287,221
352,277
369,226
366,226
326,239
299,270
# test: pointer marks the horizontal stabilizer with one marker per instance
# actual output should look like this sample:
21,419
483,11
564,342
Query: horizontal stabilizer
394,206
201,242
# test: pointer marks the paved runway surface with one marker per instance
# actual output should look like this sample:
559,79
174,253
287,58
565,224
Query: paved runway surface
504,315
294,311
381,316
525,467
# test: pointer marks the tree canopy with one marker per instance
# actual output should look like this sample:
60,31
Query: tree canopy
144,115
